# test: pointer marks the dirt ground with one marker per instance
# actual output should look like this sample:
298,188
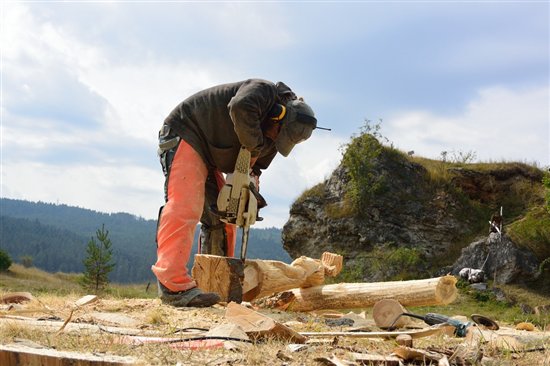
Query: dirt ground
114,327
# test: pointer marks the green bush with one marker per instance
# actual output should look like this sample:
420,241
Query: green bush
359,158
5,261
317,191
546,182
385,261
533,232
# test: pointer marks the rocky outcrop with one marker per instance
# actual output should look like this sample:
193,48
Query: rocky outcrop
501,260
411,210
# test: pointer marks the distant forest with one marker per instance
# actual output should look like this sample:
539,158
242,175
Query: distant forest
55,237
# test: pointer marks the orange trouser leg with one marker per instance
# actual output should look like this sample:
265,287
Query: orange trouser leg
179,219
230,230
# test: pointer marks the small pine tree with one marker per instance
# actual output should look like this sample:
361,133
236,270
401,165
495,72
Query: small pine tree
98,262
5,261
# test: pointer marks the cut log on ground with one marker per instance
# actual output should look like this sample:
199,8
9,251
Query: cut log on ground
222,275
15,355
261,277
426,292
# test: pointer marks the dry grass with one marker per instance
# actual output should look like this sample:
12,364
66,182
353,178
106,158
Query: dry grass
34,280
167,321
151,316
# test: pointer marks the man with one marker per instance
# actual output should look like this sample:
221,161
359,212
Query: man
199,141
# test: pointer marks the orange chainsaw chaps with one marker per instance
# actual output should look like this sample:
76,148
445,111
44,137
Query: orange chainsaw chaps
179,218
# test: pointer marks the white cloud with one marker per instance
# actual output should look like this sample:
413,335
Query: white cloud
142,95
105,188
97,79
499,124
309,163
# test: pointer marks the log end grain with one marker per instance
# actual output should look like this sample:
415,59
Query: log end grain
446,291
386,313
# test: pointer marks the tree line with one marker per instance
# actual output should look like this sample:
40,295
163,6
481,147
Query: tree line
54,238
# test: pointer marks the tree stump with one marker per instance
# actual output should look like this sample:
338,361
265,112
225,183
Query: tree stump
222,275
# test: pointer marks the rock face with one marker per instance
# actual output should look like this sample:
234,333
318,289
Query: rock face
500,259
432,220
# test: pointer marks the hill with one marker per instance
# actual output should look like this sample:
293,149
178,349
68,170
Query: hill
55,237
394,216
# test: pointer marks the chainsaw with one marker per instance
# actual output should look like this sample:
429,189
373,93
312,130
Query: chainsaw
239,200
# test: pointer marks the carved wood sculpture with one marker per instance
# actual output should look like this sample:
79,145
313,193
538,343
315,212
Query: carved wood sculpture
261,277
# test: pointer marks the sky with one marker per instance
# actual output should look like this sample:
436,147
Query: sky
86,85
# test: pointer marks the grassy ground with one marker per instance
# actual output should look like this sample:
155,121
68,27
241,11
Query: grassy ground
56,293
37,281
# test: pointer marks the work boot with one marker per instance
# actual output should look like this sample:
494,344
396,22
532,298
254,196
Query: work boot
191,298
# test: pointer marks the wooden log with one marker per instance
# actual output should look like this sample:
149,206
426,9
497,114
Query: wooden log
222,275
14,355
265,277
226,277
404,340
333,263
431,291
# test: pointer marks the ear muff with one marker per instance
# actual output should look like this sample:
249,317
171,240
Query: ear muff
278,112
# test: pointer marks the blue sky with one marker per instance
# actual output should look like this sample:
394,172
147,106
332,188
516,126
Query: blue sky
86,86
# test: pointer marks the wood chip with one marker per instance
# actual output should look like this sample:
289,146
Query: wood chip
259,326
283,357
228,330
525,326
404,340
374,359
333,361
85,300
413,354
16,298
